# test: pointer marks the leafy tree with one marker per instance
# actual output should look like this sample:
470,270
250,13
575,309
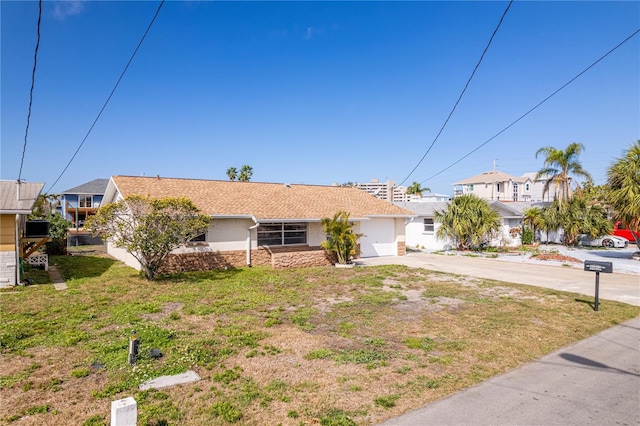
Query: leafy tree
44,209
468,221
558,168
45,205
416,189
58,230
623,187
148,229
246,172
340,236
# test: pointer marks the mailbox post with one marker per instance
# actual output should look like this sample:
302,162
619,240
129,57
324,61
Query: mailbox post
597,267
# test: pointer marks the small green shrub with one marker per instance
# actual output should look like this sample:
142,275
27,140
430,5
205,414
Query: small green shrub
319,354
226,411
95,420
80,372
336,417
386,401
227,376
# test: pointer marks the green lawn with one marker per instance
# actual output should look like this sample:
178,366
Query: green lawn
307,346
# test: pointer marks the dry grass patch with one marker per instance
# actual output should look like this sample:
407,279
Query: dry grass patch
307,346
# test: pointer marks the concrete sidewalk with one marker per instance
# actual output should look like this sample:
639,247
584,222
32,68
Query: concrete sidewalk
620,287
58,282
593,382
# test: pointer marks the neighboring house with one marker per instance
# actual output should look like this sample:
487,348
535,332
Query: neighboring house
83,201
421,230
266,223
16,203
537,188
495,185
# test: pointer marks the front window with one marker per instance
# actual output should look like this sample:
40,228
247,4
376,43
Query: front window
85,200
199,238
282,234
428,225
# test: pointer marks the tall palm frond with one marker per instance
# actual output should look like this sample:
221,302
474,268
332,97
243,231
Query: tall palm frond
558,169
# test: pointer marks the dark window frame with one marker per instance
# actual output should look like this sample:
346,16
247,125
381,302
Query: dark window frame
282,234
429,228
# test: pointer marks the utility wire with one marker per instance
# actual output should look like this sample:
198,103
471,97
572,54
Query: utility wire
33,82
462,93
110,95
535,107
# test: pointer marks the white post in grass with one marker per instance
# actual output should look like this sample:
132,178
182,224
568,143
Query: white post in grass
124,412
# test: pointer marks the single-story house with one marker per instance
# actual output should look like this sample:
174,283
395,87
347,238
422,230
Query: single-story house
17,199
421,229
275,224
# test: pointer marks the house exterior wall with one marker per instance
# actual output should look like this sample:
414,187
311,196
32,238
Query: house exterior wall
8,232
230,234
122,255
226,247
505,237
418,238
7,250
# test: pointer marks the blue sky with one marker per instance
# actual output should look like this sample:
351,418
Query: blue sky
314,92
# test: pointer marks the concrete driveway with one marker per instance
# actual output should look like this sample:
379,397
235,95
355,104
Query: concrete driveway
622,287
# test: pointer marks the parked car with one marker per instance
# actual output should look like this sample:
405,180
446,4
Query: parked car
621,231
605,241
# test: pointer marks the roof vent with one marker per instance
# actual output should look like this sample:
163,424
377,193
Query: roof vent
288,185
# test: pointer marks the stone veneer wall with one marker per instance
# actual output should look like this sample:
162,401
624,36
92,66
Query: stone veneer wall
278,258
402,248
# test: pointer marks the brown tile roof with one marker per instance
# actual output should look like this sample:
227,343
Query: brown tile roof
261,200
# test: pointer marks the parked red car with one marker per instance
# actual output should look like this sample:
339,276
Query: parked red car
621,231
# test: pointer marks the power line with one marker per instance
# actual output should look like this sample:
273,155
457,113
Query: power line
110,95
462,93
33,82
535,107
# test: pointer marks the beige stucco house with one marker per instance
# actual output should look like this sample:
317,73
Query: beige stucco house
495,185
254,223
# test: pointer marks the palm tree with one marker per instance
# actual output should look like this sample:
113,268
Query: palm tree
416,189
245,173
232,173
468,221
532,217
623,187
340,236
558,167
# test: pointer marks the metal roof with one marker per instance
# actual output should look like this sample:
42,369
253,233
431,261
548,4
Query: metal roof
18,197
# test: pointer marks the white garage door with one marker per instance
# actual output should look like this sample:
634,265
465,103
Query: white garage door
379,238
